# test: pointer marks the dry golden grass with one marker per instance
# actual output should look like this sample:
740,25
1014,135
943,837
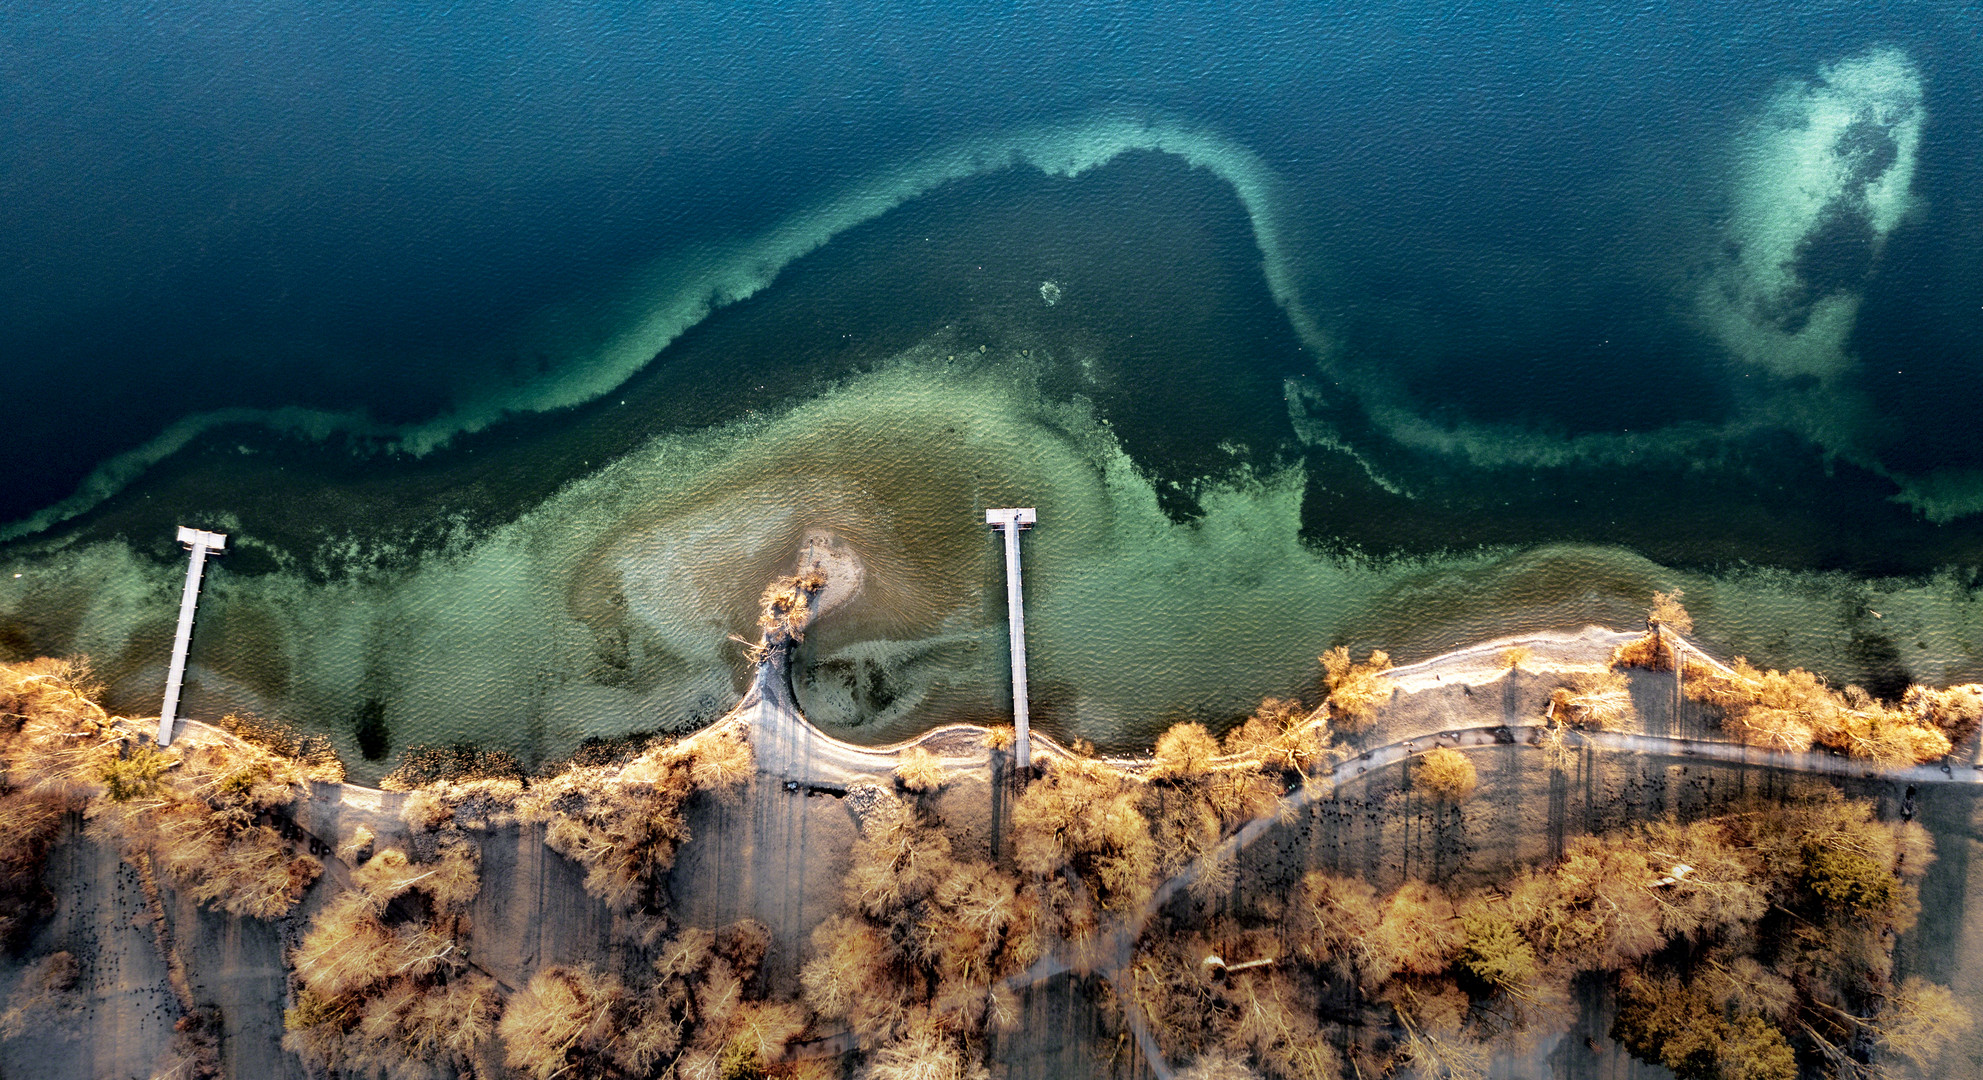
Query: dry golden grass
1601,701
1793,710
1184,752
624,824
1667,612
787,607
920,771
1957,711
1281,735
1356,690
1445,774
1650,652
45,999
1515,656
29,824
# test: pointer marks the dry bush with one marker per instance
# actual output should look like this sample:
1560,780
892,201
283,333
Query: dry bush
384,983
1218,1065
1227,1000
1195,797
45,1000
1000,737
787,607
1654,652
1445,774
1355,690
1666,611
313,754
1792,710
1281,735
202,812
1419,933
566,1020
1919,1022
1601,701
1332,919
29,824
625,824
1085,817
382,993
915,959
1748,941
1432,1016
919,770
1957,711
1185,751
1515,656
1650,652
689,1013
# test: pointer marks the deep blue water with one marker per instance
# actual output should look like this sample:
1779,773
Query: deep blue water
1474,278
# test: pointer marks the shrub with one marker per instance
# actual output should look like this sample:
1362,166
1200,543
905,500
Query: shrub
1957,711
136,775
1281,734
1495,951
1185,751
1666,611
1446,774
1355,690
919,770
1792,710
625,824
1597,700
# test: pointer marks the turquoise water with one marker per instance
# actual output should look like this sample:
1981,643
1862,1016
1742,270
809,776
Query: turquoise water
517,353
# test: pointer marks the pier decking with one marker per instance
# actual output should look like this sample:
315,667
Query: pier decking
201,542
1009,520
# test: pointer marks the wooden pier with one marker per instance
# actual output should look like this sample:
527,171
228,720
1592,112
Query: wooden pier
1010,520
201,542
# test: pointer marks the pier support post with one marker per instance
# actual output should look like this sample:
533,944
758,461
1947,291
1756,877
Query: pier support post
1009,520
201,542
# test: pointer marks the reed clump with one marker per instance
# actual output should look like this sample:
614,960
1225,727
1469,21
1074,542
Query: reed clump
1598,700
1795,709
1765,932
692,1012
624,824
920,771
913,961
1355,689
1446,775
382,978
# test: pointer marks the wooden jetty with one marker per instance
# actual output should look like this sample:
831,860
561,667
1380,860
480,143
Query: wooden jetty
1009,520
201,542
